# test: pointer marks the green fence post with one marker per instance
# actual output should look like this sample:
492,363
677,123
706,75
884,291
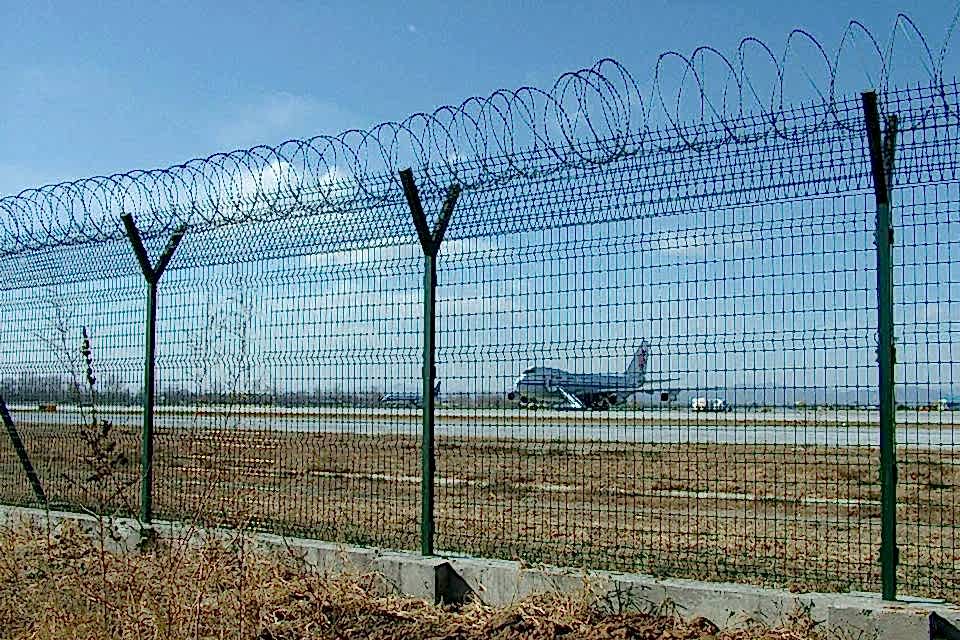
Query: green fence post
149,398
430,242
881,168
152,275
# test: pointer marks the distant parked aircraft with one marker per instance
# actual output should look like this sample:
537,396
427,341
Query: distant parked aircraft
408,399
540,386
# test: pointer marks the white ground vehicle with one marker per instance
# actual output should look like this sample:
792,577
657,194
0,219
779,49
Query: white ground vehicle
709,404
719,404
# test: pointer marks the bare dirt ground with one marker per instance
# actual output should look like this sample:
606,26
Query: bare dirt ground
62,584
803,517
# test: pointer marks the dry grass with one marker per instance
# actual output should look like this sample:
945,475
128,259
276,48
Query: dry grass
62,584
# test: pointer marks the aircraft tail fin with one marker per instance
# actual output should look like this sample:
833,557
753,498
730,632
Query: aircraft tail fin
638,366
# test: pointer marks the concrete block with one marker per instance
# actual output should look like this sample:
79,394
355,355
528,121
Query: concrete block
493,582
726,604
630,593
868,616
430,578
877,623
324,557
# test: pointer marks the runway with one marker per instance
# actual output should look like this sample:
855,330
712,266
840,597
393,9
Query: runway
779,427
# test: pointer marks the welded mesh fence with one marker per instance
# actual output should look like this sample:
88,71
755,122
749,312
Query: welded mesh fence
283,354
656,349
750,270
926,280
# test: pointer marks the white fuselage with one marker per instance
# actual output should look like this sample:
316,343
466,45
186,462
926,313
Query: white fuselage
540,385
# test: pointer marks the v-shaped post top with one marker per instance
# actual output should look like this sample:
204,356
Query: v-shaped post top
152,272
430,241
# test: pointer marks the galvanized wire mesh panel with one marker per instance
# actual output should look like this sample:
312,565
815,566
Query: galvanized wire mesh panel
926,210
657,348
71,370
746,275
272,375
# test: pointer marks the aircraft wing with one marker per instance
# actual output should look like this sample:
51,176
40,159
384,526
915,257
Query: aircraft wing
645,388
572,400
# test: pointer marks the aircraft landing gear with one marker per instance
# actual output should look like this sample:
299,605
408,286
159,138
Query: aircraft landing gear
600,404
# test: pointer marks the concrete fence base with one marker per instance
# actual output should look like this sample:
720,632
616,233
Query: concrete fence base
453,578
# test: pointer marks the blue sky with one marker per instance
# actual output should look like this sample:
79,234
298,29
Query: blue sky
95,88
96,91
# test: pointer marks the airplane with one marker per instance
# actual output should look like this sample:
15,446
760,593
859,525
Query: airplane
408,399
538,386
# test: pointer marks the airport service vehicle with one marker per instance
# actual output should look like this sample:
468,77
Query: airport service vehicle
705,404
719,404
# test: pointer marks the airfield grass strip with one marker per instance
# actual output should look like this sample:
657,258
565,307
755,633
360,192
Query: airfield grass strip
800,517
